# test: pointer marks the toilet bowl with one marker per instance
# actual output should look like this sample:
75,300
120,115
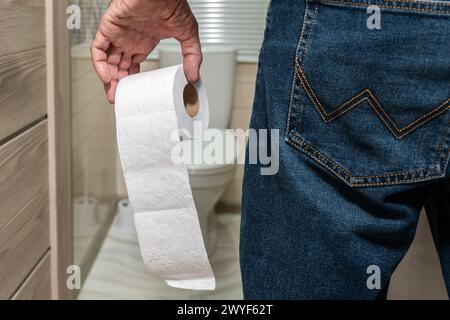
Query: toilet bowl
209,181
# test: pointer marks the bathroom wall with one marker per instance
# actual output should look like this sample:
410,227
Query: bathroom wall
419,275
94,186
93,132
93,138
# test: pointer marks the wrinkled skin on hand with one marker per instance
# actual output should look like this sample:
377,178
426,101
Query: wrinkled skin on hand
131,29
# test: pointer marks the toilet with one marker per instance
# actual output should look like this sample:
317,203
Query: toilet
209,181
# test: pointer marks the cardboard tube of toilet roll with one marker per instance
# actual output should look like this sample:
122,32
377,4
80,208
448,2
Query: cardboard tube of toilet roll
190,99
150,108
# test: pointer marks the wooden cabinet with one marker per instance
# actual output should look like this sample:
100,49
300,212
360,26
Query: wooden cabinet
38,285
22,65
24,206
35,193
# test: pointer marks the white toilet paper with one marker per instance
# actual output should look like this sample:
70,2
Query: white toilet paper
149,112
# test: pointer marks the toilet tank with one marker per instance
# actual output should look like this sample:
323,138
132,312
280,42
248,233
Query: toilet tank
218,75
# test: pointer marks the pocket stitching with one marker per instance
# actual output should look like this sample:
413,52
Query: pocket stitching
300,142
294,140
386,6
421,2
309,21
348,177
387,120
309,15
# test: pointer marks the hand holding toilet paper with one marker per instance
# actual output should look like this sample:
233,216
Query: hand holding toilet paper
150,117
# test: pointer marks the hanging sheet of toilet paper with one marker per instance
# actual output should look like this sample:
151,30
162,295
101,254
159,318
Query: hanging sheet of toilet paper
150,117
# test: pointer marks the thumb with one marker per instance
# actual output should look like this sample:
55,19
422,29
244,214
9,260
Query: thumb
192,57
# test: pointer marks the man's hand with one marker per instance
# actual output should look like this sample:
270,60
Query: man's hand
131,29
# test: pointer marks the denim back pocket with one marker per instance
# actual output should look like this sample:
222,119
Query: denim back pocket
371,105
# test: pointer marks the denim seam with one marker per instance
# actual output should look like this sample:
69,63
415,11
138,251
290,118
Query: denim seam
309,23
386,6
394,174
302,46
294,77
348,177
445,153
386,119
379,184
298,142
347,173
312,27
446,162
290,109
421,2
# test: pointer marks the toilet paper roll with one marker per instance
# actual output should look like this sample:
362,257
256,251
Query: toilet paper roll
150,117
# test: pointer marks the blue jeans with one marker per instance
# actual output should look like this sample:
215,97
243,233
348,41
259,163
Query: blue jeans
363,115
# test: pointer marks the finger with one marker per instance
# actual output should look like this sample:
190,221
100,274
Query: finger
110,89
110,86
114,72
114,55
142,56
125,63
122,74
135,68
139,58
192,56
99,57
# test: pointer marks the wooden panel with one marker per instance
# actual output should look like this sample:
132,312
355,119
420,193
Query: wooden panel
37,286
22,242
58,97
24,234
22,64
22,25
22,89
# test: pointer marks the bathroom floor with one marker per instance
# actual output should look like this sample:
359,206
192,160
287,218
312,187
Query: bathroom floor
118,272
